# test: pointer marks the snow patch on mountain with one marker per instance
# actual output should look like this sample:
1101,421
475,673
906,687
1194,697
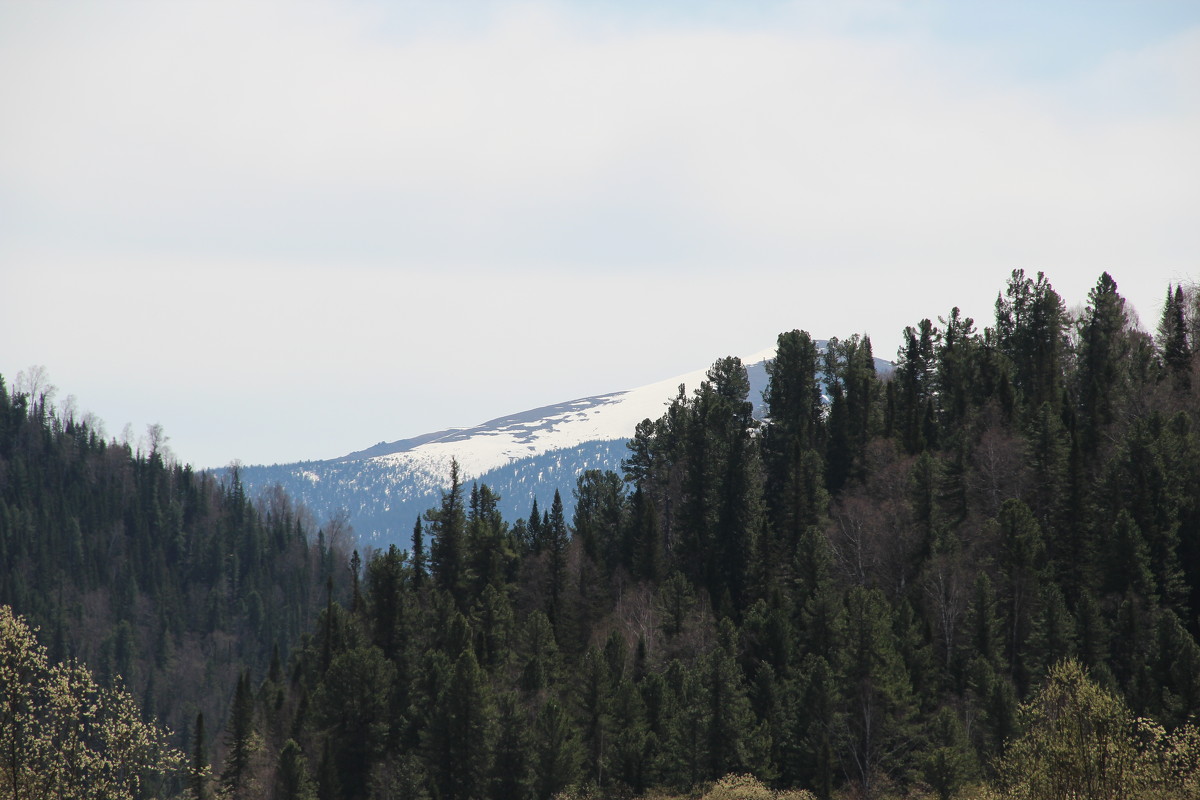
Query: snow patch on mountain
521,456
509,439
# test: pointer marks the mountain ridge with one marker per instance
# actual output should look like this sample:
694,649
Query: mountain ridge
384,488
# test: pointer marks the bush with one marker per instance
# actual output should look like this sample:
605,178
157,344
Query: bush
747,787
1080,741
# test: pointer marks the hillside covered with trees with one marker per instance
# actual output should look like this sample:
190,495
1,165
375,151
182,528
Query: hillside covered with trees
167,583
855,596
977,576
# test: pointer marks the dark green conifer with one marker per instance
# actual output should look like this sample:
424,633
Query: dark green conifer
293,781
510,777
1172,341
1103,348
447,554
558,755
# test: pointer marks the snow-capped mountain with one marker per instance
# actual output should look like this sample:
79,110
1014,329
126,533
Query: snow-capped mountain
530,454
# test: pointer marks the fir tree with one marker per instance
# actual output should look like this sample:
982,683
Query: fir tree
1172,341
447,555
557,752
418,555
239,740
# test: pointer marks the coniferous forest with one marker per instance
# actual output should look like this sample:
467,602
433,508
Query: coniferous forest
976,576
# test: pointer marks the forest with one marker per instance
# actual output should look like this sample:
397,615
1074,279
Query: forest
977,576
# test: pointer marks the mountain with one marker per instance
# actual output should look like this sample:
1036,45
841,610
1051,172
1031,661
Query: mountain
383,489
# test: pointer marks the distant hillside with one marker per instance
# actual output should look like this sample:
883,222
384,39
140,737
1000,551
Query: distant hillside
158,578
384,488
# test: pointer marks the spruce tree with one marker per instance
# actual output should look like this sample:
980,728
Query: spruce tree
555,534
418,555
794,489
1172,341
877,690
510,773
594,695
558,754
1031,321
239,740
447,554
1103,348
293,781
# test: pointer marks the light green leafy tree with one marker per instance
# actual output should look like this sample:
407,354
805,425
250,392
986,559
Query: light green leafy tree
1082,742
63,736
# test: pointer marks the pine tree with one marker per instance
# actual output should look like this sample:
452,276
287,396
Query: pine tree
737,742
460,753
950,762
1172,342
646,559
293,781
448,528
239,745
628,757
877,690
537,541
540,669
722,513
915,380
1023,554
956,357
1102,350
510,774
353,702
557,752
418,555
795,485
599,512
557,540
1030,329
594,698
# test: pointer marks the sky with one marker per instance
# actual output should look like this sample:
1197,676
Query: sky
289,230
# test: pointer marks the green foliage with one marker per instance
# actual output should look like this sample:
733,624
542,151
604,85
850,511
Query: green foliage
864,597
558,755
1080,741
64,736
166,581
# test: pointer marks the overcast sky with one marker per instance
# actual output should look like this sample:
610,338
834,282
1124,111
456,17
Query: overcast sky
288,230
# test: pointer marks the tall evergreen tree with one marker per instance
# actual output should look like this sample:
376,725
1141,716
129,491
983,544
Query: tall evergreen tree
239,744
558,754
294,782
461,734
448,528
557,540
1103,348
418,554
1172,341
795,482
510,775
877,689
1031,322
915,377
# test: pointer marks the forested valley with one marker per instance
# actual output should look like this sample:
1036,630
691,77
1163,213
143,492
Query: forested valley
977,576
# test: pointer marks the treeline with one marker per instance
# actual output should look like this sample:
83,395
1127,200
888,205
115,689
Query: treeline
855,595
164,581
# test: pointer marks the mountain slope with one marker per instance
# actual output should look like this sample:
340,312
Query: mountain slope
384,488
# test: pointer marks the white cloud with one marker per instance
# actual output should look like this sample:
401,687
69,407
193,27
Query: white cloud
302,170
